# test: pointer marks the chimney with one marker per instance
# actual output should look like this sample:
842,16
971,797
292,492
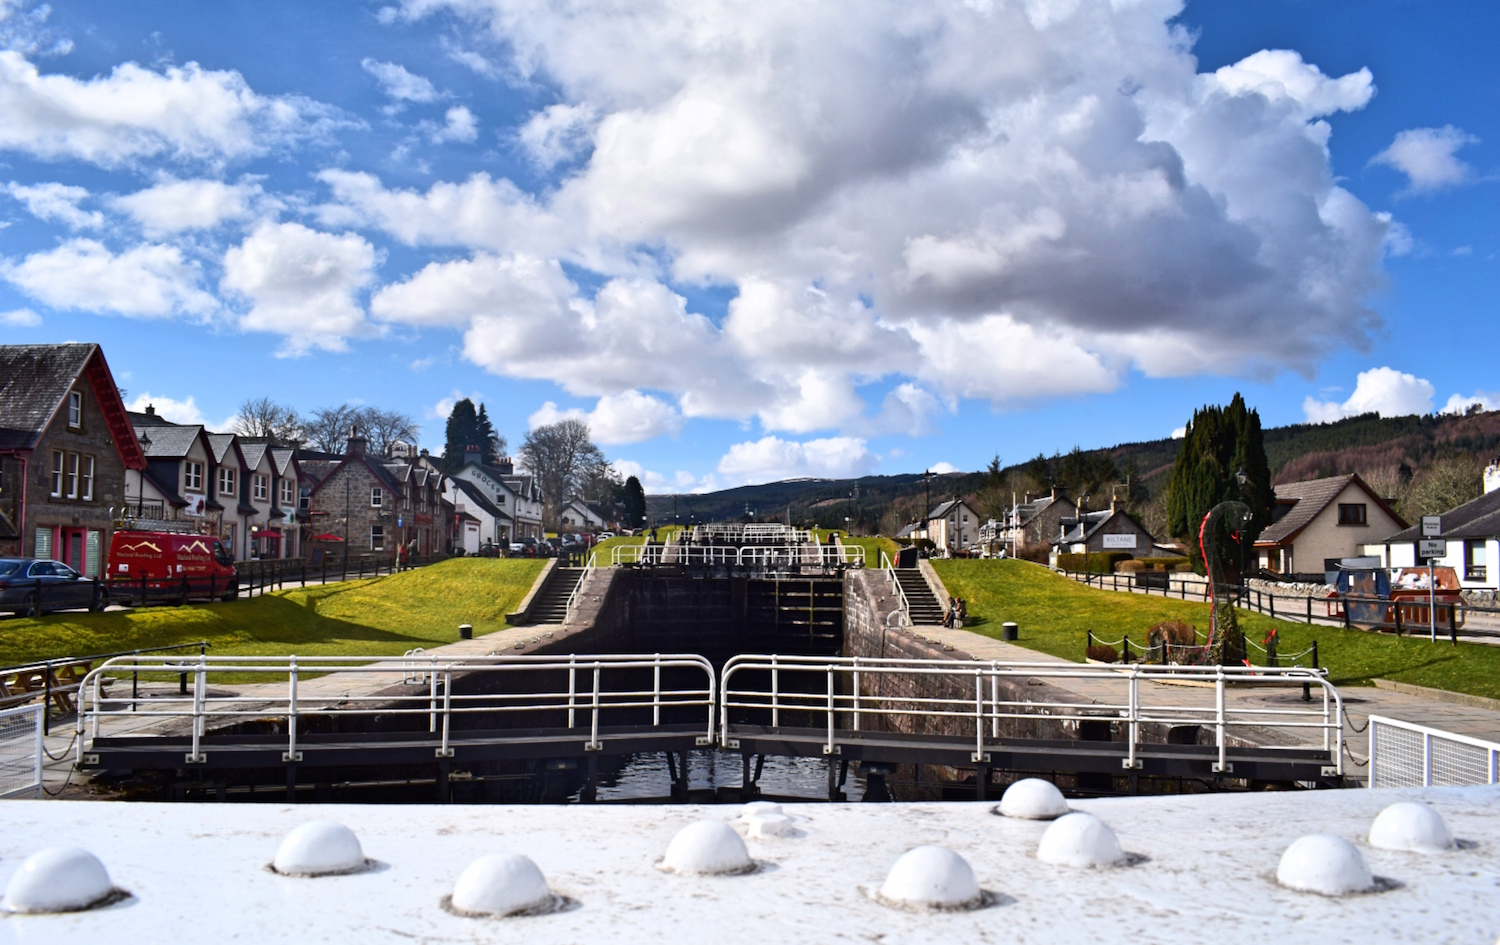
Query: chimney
472,455
506,467
1492,477
357,443
150,410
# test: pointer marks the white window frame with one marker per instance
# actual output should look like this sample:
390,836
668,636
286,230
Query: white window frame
59,462
75,409
192,476
87,463
377,537
71,474
288,492
260,487
377,497
226,481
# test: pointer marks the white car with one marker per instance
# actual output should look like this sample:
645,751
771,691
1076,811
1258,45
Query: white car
604,535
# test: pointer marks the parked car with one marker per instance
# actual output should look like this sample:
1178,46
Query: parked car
517,550
488,550
33,586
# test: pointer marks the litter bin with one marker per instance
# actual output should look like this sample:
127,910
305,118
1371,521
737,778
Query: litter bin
1009,631
466,631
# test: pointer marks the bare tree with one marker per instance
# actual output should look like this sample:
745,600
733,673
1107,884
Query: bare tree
328,427
385,428
560,455
262,417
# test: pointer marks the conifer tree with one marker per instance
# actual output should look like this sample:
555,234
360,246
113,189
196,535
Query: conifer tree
1220,441
459,435
635,503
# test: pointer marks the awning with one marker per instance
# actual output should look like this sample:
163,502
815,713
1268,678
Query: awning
326,537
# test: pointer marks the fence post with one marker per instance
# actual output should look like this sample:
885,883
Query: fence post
1344,606
1309,610
1453,623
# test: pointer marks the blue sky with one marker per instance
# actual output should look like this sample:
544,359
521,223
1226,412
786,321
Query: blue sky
748,241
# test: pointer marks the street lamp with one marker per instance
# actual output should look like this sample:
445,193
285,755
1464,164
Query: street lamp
140,478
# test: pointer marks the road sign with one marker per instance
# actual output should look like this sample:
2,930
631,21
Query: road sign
1432,526
1431,548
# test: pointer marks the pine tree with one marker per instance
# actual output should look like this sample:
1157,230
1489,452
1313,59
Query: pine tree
1220,442
490,443
635,503
460,434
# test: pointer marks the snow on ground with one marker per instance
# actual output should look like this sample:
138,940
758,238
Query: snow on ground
1203,869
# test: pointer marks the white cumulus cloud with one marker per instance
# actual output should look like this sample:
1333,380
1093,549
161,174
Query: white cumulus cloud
302,284
172,206
399,84
58,203
771,458
627,417
1486,401
1382,390
1429,157
20,318
184,112
459,125
149,280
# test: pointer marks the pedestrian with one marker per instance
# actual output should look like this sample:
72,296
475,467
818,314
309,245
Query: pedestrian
961,614
951,613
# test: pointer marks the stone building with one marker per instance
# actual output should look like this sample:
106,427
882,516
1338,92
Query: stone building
375,504
65,445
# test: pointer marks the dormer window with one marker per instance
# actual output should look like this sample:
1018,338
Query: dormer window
75,410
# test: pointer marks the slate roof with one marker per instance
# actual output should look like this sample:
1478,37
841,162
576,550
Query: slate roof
281,459
1305,500
169,441
253,454
1027,511
1479,518
944,508
34,379
472,493
219,444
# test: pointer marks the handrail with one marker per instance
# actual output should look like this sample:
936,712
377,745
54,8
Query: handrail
575,598
842,699
889,567
602,693
852,556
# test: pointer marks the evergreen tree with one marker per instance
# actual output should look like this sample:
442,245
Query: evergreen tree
635,503
490,444
461,433
1220,442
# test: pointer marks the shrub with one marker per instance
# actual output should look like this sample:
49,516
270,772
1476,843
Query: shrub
1133,566
1162,564
1184,568
1175,632
1102,653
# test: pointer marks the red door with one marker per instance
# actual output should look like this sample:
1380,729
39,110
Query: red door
73,549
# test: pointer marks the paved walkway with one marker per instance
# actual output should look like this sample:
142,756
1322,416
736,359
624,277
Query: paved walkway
1360,702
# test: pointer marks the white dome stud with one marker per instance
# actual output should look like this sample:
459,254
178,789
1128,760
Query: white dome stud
501,884
758,808
319,848
1080,840
1324,864
761,826
931,877
1032,799
59,879
1410,827
707,848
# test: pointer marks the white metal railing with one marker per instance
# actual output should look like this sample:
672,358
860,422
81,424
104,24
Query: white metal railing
762,532
596,686
577,596
21,750
1404,754
846,690
763,556
889,567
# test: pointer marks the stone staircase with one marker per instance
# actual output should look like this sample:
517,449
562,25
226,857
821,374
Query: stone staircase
551,604
923,607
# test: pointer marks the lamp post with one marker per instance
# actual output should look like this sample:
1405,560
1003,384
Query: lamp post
1240,479
140,479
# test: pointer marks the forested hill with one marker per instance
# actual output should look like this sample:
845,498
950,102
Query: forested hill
1392,453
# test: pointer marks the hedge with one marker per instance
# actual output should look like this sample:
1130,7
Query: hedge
1095,562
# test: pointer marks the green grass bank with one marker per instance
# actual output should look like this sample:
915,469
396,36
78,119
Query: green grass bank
376,616
1055,614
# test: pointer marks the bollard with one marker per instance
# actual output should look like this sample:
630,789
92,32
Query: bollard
1009,632
465,631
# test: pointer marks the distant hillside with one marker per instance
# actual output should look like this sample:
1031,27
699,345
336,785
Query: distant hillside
1401,457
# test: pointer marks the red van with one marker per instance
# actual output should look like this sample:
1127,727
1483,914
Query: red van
170,561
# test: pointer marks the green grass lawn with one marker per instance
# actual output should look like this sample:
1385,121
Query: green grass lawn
873,547
378,616
1055,614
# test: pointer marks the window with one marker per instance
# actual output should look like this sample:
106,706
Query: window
1352,513
57,473
304,500
1474,561
260,487
72,475
75,410
88,478
226,481
192,476
43,547
377,497
377,537
287,492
